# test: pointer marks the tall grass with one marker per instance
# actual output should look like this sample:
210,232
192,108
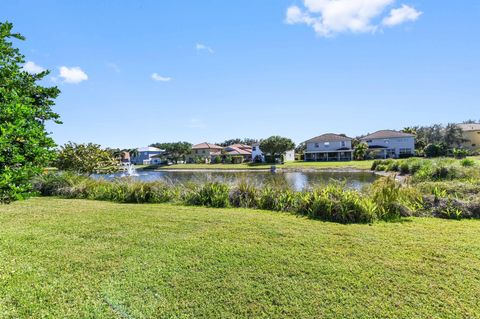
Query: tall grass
385,199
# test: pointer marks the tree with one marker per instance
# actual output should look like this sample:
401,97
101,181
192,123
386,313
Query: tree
25,107
453,135
360,151
85,159
276,145
246,141
175,151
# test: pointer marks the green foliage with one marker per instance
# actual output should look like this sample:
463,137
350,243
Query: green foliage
244,194
434,150
25,107
217,160
467,162
276,145
460,153
175,151
360,151
212,194
85,159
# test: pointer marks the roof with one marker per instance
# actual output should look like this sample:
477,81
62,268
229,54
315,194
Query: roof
149,149
206,145
242,146
329,137
469,127
386,134
237,151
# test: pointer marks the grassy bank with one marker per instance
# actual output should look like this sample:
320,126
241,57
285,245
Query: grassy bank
78,258
288,165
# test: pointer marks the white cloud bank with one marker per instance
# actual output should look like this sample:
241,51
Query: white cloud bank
32,68
203,47
331,17
72,74
158,77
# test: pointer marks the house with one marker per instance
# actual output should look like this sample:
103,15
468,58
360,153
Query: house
203,152
147,156
243,150
390,144
329,147
471,134
258,156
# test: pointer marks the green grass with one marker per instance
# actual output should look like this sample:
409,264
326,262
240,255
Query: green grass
91,259
288,165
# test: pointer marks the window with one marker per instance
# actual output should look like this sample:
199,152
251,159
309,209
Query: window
203,151
254,148
405,151
385,141
344,144
369,141
316,145
327,144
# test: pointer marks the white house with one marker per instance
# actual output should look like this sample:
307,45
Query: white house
147,156
329,147
391,144
257,154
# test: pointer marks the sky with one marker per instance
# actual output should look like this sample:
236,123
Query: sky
137,72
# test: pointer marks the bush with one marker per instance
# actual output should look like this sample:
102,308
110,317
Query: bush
467,162
212,194
244,195
217,160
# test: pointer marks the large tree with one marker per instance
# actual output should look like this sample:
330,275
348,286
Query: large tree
175,151
25,107
85,159
276,146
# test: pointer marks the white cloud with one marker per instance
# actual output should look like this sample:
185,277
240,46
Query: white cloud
203,47
158,77
32,68
72,74
331,17
401,15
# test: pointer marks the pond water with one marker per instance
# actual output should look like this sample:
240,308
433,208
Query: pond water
297,180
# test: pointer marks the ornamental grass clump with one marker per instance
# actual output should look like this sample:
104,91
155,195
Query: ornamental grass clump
211,194
244,195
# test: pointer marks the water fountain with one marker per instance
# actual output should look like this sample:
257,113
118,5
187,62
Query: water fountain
128,170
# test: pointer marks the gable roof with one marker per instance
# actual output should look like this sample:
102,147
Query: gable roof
469,127
241,146
231,150
206,145
386,134
329,137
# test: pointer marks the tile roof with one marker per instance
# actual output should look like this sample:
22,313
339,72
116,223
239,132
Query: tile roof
149,149
329,137
469,127
386,134
206,145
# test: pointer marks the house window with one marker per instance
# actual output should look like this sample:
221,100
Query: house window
203,151
343,143
385,141
405,151
254,148
327,144
369,141
316,145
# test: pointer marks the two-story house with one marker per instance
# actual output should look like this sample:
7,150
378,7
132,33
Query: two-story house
147,155
471,134
203,151
390,144
329,147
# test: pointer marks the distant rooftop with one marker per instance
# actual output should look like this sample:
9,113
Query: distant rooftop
469,127
386,134
329,137
149,149
206,145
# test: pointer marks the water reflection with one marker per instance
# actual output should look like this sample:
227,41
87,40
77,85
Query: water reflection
296,180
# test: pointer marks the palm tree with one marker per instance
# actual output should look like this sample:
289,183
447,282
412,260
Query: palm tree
360,151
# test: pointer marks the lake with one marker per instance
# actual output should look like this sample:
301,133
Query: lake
296,180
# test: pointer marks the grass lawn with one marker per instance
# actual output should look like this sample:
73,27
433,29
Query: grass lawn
287,165
89,259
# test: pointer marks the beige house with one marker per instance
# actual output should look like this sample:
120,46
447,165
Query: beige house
471,133
203,152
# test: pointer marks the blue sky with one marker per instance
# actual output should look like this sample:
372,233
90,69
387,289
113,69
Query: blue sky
137,72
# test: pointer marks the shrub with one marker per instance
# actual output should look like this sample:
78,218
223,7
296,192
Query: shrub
460,153
212,194
467,162
244,195
404,168
217,160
